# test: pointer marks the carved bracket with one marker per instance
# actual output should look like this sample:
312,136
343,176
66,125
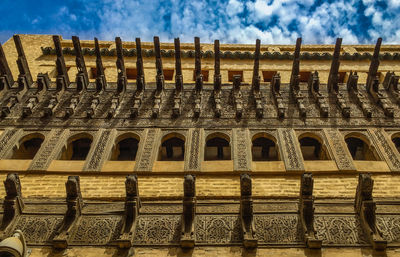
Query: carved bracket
32,102
189,211
306,211
391,84
70,110
91,111
49,109
6,78
276,92
132,207
365,207
160,84
295,81
101,82
62,80
115,101
10,103
74,210
24,78
13,203
320,99
43,81
82,78
237,96
246,212
352,87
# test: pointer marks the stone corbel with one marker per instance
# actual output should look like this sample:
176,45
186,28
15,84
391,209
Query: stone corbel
137,102
43,81
362,101
391,84
91,111
380,99
246,212
13,203
177,108
189,211
70,110
132,207
115,101
276,92
157,101
32,102
49,109
365,207
313,86
140,81
306,211
6,109
237,96
74,210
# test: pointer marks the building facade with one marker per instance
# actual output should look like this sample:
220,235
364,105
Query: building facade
169,149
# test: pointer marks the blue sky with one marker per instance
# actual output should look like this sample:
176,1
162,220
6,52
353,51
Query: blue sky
231,21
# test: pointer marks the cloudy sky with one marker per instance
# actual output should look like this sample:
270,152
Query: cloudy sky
231,21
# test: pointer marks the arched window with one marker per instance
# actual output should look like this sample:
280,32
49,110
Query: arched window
172,148
359,149
28,147
264,149
126,148
312,149
217,148
78,147
396,141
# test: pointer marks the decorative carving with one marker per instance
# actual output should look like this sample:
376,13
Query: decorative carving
96,159
276,92
391,84
194,155
24,78
373,83
140,81
352,87
336,144
217,81
145,162
365,208
10,103
96,230
115,101
389,226
82,78
49,109
189,211
32,102
12,204
91,111
38,229
7,139
313,86
333,81
339,230
277,229
161,208
242,155
306,211
6,78
158,95
74,205
290,151
158,230
218,229
132,207
246,212
237,96
101,82
295,80
391,155
70,110
55,139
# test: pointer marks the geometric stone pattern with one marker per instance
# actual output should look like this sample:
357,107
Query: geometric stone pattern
277,229
218,229
158,230
290,150
38,229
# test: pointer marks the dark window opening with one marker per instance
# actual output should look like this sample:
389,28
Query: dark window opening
264,149
28,149
168,74
217,148
312,149
304,76
80,148
172,149
126,150
131,73
359,150
93,73
232,73
204,73
342,76
396,142
267,75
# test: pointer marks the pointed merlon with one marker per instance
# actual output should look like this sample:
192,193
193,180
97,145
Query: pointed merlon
100,76
122,79
82,78
24,78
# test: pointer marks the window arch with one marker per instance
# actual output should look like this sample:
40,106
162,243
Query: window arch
360,147
396,141
78,147
264,148
28,146
126,147
172,148
217,147
312,147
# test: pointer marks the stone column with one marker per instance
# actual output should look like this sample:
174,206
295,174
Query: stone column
341,155
100,150
149,150
290,151
195,150
241,144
